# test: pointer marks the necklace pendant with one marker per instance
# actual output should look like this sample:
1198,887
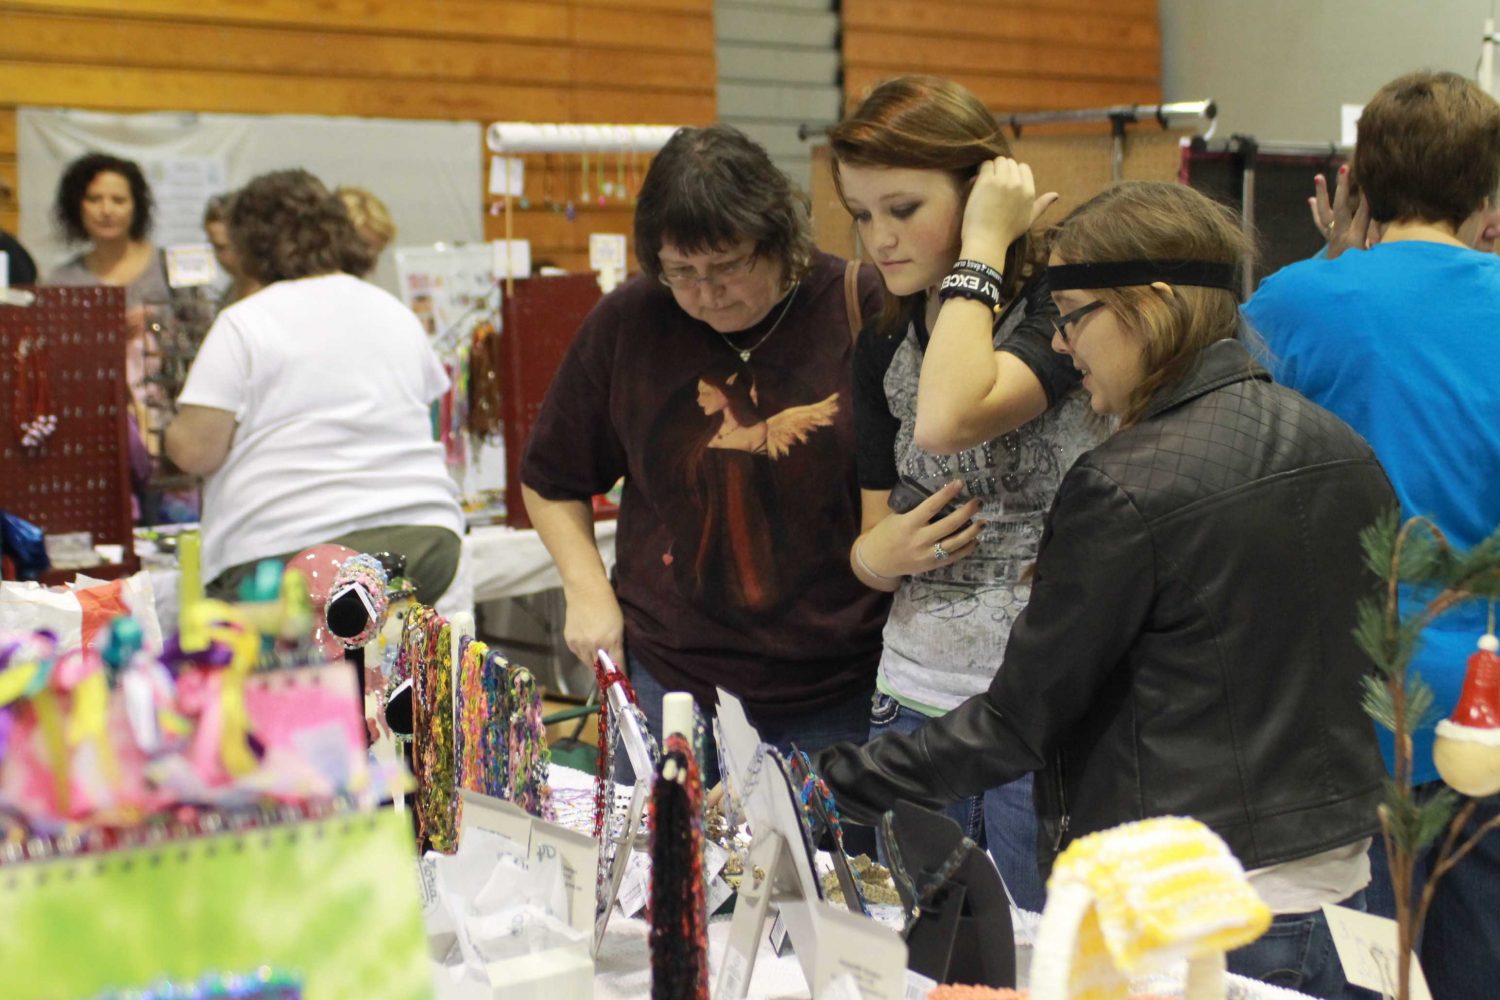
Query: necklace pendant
745,356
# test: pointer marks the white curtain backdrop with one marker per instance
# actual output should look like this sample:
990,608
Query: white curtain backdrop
427,173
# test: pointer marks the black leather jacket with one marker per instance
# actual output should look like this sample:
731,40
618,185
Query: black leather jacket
1187,646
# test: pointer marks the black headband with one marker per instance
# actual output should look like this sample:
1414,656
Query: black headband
1123,273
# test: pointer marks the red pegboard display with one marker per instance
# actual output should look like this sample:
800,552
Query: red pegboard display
541,316
79,479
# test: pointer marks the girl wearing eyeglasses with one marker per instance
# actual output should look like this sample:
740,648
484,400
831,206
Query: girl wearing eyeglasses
1010,422
1188,647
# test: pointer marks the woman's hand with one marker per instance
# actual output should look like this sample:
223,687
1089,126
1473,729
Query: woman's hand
905,544
594,622
1342,228
1002,205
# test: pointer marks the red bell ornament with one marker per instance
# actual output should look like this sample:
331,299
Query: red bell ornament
1467,749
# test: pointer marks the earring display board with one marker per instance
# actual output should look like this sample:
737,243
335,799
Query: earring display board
542,316
331,901
78,479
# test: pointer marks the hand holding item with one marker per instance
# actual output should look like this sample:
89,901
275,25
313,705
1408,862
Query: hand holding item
927,535
593,622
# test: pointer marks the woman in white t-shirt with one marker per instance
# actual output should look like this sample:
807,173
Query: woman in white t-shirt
307,408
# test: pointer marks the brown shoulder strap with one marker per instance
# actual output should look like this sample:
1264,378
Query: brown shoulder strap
851,299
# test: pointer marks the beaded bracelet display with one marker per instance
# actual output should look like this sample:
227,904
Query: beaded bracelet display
678,911
427,642
526,746
483,762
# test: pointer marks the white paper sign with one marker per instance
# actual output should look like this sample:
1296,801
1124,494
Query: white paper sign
869,956
507,176
607,250
191,265
717,893
1349,123
636,884
1367,949
575,852
918,985
778,934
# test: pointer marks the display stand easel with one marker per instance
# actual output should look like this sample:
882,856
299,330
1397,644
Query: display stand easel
78,480
630,839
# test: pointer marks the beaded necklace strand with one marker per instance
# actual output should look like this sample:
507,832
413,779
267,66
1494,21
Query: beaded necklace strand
678,913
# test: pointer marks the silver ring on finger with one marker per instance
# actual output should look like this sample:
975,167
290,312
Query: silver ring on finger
938,552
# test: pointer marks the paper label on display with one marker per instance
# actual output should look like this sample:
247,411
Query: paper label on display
607,250
507,176
778,934
716,893
636,885
714,859
578,856
852,947
191,265
1367,949
918,985
736,974
4,269
1349,123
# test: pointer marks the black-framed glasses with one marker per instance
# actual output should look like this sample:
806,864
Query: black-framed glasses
1061,323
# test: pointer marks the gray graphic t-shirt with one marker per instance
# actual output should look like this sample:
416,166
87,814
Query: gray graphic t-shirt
947,629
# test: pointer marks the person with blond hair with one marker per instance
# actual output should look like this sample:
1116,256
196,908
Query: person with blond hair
372,220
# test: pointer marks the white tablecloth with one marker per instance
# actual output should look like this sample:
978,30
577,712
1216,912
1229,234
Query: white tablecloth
509,562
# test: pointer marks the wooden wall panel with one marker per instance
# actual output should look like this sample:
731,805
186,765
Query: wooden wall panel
647,61
1016,55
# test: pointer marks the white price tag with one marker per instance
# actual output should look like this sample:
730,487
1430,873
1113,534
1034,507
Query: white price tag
635,888
918,985
607,250
716,892
507,176
714,859
1367,949
843,987
191,265
778,934
736,969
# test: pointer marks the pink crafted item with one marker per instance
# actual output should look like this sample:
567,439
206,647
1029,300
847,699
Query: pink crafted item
319,566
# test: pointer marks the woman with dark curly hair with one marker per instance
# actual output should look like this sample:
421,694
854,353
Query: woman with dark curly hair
104,201
307,406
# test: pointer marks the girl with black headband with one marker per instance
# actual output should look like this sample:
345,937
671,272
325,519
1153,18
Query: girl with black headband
1188,645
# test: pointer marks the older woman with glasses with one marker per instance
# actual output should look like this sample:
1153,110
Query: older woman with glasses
718,384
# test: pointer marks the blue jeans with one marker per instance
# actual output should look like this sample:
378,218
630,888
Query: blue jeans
1460,946
1297,953
1003,819
845,721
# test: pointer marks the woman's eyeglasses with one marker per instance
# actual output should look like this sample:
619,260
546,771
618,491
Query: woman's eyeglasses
1061,323
686,278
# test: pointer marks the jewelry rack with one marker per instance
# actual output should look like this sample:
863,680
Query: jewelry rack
78,478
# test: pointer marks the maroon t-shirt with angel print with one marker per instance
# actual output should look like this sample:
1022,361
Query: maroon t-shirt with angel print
740,499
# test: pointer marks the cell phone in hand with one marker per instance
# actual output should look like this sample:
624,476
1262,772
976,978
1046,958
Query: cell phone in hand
909,492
